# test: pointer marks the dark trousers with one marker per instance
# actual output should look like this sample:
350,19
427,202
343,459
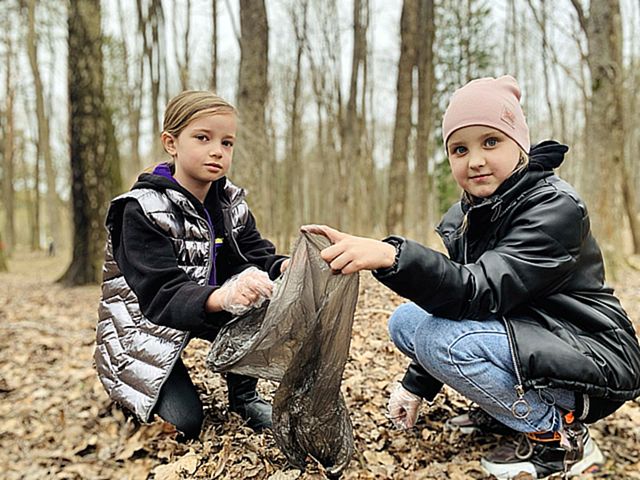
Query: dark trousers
179,402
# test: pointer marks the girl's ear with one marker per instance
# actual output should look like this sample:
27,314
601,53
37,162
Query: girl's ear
169,143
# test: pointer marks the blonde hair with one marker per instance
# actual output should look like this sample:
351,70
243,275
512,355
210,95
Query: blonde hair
191,105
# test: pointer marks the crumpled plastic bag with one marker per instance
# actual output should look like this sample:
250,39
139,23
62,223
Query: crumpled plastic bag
301,339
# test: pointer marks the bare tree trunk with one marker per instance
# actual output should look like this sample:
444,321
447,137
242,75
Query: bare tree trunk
213,80
182,51
149,25
4,265
92,143
44,145
629,197
293,196
35,223
8,141
348,194
133,166
254,157
426,210
605,124
398,169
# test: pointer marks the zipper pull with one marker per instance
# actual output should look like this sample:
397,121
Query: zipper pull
520,408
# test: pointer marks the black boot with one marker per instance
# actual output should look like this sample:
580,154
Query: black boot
245,401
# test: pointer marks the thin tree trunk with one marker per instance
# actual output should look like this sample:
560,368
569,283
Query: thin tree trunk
8,194
182,51
44,145
629,197
254,155
4,264
351,134
35,224
365,178
426,87
293,194
149,25
398,168
213,80
134,95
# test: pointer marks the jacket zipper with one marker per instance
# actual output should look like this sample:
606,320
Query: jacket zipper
212,252
519,387
521,402
229,227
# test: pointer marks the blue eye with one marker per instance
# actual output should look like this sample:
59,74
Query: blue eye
491,142
459,150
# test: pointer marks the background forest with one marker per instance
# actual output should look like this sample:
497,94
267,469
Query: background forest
340,104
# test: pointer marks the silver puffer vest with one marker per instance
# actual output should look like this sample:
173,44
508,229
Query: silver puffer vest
133,355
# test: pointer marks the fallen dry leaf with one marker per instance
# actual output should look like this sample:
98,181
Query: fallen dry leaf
56,421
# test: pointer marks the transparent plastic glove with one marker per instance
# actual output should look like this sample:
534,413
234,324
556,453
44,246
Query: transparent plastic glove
403,408
249,289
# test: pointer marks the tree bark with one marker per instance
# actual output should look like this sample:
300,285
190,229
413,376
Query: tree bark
427,200
293,196
605,124
92,143
351,171
8,194
150,26
213,80
134,94
398,169
4,265
44,144
253,157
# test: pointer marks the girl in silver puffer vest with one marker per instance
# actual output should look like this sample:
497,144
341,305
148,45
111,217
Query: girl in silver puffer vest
183,256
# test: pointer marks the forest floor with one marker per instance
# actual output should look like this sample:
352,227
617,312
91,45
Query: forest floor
57,422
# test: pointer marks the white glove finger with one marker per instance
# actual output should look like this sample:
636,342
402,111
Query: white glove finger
398,420
411,416
260,285
248,297
263,289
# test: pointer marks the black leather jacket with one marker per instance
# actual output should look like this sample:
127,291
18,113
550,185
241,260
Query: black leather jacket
527,255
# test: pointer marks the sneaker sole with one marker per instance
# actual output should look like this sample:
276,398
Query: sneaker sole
510,471
465,430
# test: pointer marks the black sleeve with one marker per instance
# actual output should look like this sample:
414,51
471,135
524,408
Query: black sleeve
420,382
259,251
535,258
146,258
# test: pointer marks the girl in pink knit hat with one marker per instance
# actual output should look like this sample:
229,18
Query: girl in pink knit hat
518,317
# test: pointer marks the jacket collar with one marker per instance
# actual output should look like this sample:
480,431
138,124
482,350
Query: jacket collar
162,179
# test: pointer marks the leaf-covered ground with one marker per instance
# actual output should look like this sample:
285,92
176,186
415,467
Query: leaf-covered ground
56,421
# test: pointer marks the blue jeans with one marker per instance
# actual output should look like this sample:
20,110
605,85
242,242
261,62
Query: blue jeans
474,358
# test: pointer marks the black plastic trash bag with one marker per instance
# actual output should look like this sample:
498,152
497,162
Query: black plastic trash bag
300,339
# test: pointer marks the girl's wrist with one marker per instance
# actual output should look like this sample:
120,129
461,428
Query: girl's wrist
391,256
396,246
214,302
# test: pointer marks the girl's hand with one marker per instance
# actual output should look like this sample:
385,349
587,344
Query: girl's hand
403,408
350,254
249,289
284,265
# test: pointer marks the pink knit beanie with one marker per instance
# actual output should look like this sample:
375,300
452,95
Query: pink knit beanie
492,102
